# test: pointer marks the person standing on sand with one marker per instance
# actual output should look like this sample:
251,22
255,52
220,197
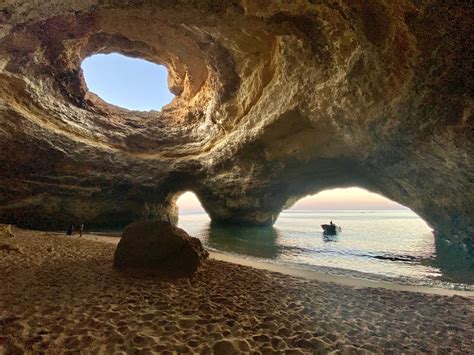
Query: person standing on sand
81,229
70,229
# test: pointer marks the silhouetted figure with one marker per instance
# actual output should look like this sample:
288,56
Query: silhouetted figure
70,229
329,229
81,229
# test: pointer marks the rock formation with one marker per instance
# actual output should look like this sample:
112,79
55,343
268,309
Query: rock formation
159,246
274,100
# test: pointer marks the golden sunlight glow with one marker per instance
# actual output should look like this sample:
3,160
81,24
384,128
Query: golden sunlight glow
352,198
189,202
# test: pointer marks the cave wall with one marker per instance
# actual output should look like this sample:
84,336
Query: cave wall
274,100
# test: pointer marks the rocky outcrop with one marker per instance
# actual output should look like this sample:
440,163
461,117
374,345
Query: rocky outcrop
274,100
159,246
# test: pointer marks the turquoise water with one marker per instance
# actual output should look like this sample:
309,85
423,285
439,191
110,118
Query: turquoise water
392,245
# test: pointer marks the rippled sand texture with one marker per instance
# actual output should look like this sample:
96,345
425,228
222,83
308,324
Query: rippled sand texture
59,293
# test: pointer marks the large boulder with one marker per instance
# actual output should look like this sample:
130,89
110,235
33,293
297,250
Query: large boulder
159,246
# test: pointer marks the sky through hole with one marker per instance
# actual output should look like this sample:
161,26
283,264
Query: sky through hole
131,83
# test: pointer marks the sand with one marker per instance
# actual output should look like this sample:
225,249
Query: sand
60,294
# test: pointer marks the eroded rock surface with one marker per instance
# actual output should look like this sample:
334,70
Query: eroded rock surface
160,246
275,100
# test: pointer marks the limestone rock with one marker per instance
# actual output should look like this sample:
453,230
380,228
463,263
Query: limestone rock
275,100
160,246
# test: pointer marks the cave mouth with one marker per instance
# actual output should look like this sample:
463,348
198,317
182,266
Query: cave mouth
189,204
367,212
379,237
130,83
373,227
192,217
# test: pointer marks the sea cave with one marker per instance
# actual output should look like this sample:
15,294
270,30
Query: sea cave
268,102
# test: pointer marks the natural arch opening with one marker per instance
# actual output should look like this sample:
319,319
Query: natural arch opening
192,216
130,83
391,227
378,235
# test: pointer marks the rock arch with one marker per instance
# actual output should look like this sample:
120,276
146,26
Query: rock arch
272,101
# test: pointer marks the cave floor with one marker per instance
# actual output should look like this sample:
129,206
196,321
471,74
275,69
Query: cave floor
61,294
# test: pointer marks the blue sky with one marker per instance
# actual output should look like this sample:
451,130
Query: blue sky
131,83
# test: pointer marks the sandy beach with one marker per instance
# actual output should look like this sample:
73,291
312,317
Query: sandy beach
61,294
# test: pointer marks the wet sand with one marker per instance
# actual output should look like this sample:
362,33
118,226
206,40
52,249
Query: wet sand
60,293
310,274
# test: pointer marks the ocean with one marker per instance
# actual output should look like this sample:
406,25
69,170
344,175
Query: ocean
382,245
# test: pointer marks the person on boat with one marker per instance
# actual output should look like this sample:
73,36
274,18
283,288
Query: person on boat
331,223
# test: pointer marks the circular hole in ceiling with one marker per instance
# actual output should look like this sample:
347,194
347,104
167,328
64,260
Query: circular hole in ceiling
131,83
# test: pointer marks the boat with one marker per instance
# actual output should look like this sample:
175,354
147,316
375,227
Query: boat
330,229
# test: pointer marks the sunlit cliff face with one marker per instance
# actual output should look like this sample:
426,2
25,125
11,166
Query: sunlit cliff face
273,102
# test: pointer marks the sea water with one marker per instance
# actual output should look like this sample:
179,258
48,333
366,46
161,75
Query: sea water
389,245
